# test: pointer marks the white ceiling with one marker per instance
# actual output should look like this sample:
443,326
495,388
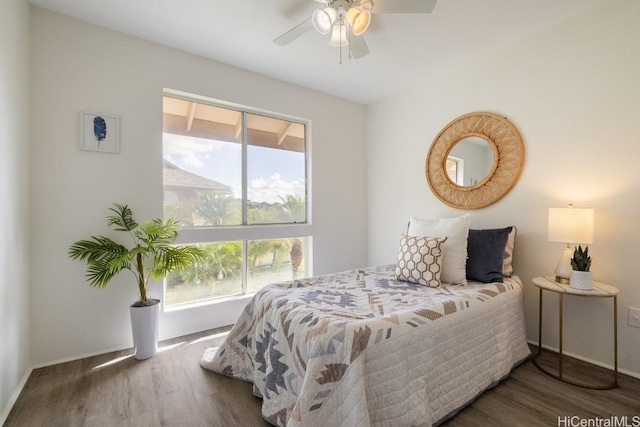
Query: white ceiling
403,48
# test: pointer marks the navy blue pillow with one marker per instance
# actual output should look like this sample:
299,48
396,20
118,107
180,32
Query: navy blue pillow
485,253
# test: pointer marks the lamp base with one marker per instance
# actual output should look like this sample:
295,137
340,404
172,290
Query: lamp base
563,269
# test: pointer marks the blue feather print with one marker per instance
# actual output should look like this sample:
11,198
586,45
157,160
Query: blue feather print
99,128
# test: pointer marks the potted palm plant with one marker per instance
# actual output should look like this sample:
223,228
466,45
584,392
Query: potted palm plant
152,254
581,277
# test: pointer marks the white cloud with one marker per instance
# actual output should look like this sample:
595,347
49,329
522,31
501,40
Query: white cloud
188,152
268,190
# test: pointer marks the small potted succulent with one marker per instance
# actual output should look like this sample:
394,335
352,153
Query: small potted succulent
152,253
581,276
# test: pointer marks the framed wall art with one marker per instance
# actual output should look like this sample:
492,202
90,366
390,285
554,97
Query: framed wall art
99,132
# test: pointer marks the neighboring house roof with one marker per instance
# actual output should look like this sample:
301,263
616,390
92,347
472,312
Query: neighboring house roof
176,177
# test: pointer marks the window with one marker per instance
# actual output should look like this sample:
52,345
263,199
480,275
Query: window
455,169
237,180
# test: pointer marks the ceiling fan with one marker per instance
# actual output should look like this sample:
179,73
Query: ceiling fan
347,20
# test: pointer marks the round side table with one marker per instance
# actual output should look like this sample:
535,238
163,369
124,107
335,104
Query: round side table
600,290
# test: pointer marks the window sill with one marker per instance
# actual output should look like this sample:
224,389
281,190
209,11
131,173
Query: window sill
207,302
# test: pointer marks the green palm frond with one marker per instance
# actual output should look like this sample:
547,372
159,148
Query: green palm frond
105,259
142,250
123,218
157,232
168,259
100,273
94,250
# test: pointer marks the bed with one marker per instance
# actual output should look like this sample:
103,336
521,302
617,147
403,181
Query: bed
361,348
407,344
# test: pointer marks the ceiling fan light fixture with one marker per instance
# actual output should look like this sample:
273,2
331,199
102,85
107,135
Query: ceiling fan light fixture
359,20
339,35
323,20
352,14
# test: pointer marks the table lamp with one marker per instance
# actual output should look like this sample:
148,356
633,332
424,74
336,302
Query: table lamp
569,225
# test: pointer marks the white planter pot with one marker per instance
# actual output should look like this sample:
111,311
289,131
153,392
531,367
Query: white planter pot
582,280
144,326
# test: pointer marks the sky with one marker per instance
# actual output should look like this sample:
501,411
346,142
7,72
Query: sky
271,172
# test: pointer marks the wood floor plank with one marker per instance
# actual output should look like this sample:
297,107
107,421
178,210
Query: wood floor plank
171,389
530,397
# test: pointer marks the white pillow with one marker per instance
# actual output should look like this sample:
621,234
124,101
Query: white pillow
454,250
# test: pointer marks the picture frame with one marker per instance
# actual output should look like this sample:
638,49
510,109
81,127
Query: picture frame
99,132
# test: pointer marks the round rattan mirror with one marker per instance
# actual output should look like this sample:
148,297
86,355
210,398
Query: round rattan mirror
508,149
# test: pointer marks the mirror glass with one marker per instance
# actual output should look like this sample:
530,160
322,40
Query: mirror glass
470,161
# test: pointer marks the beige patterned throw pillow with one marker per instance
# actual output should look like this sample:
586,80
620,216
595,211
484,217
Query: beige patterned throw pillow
507,262
420,260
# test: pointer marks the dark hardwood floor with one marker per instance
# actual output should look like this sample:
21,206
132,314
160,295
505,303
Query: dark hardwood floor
171,389
529,397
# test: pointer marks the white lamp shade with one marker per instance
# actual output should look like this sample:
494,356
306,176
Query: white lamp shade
339,35
571,225
323,20
358,20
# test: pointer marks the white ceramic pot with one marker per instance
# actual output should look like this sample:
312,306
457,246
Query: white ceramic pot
582,280
144,326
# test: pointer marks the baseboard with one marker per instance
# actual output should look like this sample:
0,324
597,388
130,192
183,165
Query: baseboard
112,350
82,356
14,397
586,359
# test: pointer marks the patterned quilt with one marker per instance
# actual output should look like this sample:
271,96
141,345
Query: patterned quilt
360,348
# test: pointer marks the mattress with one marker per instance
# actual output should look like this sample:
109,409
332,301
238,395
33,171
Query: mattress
359,348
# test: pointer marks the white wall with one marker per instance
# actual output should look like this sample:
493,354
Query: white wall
572,91
80,67
14,193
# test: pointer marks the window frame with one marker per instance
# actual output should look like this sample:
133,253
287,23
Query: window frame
245,232
459,169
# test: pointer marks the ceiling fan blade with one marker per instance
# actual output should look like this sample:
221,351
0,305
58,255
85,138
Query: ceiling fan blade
358,47
403,6
294,33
